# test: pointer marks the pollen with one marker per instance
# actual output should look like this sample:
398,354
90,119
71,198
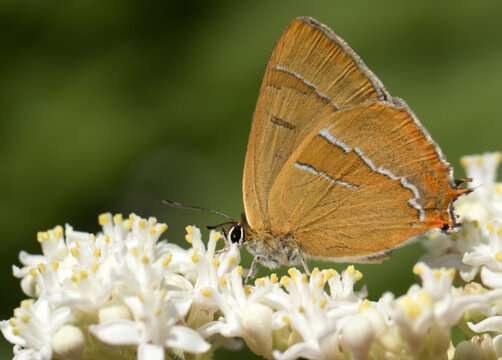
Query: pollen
26,304
140,297
132,216
320,282
103,219
274,279
162,228
465,233
42,235
58,232
117,219
499,231
206,292
417,270
74,252
499,157
84,274
230,261
329,274
437,274
498,256
16,331
223,281
366,303
188,238
25,318
301,309
247,290
94,267
55,266
286,319
313,299
260,282
157,312
152,231
142,223
284,281
167,259
33,272
359,275
464,161
195,258
305,278
238,268
322,303
134,251
497,188
107,238
216,236
452,272
489,227
291,272
432,235
216,262
315,271
41,267
145,260
128,224
479,160
97,252
76,278
189,230
351,270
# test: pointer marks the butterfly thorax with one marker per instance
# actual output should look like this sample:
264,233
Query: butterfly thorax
272,249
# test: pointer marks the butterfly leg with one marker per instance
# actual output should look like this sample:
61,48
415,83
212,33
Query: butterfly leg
303,261
253,270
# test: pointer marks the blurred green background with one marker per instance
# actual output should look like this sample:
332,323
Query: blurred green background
115,105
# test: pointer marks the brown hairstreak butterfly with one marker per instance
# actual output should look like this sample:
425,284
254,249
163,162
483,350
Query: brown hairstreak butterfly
336,168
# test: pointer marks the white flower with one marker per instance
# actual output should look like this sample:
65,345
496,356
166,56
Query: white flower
432,308
244,313
314,316
32,329
476,246
156,325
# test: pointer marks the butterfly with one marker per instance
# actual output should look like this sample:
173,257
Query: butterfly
336,168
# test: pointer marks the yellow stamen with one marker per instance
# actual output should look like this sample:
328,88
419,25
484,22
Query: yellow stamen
97,252
351,270
489,227
366,303
284,281
274,279
162,228
103,219
167,259
41,268
134,251
498,256
152,231
223,281
238,268
417,270
188,238
216,236
464,162
230,261
479,160
315,271
142,223
323,303
437,274
195,258
55,265
74,252
359,275
286,319
144,259
216,262
94,267
189,230
117,219
107,238
206,292
157,312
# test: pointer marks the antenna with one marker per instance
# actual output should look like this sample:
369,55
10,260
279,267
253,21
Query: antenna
183,206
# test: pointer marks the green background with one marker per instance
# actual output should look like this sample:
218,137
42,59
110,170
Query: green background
115,105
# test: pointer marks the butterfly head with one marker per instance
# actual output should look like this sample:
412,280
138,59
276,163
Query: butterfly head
235,233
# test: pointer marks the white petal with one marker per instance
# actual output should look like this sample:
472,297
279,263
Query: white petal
117,332
297,350
491,278
150,352
186,339
493,323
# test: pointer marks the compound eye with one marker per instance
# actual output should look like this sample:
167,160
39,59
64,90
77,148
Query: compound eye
236,234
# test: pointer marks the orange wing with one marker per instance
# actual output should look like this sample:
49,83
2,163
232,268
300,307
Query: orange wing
311,74
365,180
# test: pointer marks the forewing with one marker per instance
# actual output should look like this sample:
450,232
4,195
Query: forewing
363,182
311,74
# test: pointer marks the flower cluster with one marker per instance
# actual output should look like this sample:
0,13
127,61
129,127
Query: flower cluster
125,293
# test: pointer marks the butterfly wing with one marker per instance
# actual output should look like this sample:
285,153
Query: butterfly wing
365,180
311,73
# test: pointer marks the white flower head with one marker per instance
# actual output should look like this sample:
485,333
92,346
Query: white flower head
32,328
